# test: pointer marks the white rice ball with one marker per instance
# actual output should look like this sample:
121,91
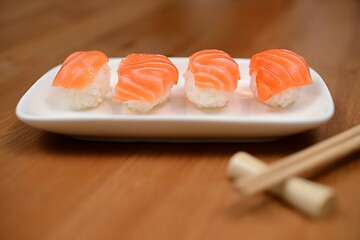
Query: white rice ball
92,94
143,106
282,99
204,98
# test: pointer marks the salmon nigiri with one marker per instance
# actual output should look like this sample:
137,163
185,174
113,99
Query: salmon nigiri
144,81
277,76
211,78
85,78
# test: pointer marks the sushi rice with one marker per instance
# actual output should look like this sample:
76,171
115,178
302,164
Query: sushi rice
92,94
282,99
144,106
204,97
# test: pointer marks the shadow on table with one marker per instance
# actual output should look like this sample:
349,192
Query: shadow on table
58,144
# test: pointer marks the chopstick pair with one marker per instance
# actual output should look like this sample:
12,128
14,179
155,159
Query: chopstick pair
313,198
316,156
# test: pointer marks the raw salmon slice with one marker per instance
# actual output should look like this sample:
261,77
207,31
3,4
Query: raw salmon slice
80,69
214,69
144,77
277,70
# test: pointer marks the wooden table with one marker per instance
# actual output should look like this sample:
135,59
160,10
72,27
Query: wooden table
54,187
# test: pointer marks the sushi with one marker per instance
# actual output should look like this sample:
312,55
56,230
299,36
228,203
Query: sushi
277,76
144,81
84,78
211,78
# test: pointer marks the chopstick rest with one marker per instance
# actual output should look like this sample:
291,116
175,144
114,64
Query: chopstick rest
312,198
304,162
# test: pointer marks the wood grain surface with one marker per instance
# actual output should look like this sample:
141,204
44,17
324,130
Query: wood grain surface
54,187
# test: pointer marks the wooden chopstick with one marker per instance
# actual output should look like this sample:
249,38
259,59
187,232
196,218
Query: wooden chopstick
316,156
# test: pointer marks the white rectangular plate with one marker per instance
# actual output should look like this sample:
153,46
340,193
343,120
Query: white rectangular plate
242,118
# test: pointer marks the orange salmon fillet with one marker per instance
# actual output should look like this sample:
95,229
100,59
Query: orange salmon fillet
144,77
80,69
277,70
214,69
